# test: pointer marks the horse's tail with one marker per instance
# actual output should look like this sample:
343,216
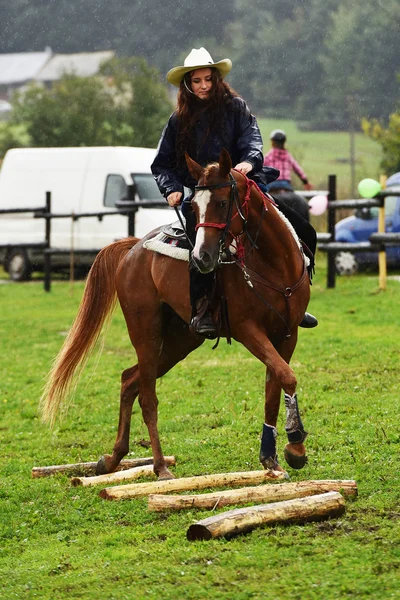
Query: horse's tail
97,304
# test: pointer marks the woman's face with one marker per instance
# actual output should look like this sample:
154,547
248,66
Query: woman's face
201,82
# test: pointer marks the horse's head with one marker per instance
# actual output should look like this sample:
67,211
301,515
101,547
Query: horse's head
213,204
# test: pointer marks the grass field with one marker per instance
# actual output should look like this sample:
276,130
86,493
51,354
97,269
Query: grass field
63,542
324,153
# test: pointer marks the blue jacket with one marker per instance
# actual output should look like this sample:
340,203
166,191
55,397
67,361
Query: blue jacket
242,139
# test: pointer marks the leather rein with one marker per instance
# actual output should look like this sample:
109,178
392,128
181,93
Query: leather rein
239,260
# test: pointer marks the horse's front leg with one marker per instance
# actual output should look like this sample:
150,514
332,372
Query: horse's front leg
295,452
279,376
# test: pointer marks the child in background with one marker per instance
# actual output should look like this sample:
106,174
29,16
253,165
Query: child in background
279,158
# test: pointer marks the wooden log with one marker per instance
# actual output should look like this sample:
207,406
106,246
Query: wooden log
137,490
242,520
127,475
263,493
89,468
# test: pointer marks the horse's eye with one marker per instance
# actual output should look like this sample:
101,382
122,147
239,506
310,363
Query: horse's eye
222,204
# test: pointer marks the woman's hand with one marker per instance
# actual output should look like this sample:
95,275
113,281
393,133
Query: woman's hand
244,167
308,186
174,199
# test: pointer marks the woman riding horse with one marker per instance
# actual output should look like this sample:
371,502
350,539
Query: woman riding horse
211,116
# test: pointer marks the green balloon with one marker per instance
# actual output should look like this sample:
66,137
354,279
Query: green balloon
369,188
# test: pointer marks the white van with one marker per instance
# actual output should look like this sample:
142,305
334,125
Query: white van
81,180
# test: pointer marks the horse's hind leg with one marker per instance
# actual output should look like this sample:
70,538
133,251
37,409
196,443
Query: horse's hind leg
177,344
129,391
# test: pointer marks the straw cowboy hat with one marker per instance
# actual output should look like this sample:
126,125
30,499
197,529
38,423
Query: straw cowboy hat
198,59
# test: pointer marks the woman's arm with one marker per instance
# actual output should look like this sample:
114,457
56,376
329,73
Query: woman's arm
248,141
164,164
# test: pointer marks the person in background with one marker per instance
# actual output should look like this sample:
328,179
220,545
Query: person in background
279,158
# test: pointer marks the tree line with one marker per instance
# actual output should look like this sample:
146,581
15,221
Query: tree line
326,64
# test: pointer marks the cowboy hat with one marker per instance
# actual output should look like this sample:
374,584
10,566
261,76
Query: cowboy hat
198,59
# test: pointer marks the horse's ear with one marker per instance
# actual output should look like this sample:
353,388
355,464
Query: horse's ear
194,168
225,163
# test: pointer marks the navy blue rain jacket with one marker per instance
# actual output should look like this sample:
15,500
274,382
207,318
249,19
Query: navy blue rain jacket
242,139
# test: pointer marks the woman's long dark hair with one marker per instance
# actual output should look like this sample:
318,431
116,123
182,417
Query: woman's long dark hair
190,108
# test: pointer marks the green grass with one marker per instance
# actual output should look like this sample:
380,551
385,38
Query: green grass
57,541
324,153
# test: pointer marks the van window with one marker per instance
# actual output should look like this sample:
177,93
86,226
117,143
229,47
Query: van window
116,189
146,187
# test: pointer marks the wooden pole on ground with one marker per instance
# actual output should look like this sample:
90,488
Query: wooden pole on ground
127,475
89,468
137,490
263,493
242,520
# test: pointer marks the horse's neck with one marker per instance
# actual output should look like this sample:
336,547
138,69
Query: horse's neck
274,235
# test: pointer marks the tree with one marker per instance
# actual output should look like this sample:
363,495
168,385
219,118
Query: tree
126,106
13,136
142,100
361,60
389,139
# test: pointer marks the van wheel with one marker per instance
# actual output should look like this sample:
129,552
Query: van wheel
346,263
19,266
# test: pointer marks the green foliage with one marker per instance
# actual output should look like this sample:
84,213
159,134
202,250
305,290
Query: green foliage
298,59
76,111
141,99
366,85
58,541
128,106
13,136
389,140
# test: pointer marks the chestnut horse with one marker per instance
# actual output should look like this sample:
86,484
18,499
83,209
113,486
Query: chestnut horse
266,286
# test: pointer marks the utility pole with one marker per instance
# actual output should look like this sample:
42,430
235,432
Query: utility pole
352,158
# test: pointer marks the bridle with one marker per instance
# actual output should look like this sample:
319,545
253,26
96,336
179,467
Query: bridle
241,209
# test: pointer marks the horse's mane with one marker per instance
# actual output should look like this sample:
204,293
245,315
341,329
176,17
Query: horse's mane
208,170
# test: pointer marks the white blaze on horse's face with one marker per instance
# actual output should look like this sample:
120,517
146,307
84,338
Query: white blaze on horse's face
200,253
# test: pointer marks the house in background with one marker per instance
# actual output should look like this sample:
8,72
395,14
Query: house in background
83,64
19,69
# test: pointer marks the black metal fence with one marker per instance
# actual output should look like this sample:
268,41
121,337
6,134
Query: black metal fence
377,241
326,241
126,208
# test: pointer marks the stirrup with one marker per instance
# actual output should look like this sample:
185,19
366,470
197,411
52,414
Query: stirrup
308,321
204,326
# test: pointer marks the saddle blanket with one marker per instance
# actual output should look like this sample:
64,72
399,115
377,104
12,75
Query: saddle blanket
169,246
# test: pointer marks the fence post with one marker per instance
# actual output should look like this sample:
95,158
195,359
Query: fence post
381,229
131,223
47,255
331,275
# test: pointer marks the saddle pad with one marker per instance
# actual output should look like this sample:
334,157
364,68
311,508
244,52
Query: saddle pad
163,244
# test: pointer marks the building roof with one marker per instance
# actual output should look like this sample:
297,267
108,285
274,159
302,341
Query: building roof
82,64
22,66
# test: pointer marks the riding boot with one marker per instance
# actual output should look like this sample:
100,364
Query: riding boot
309,321
201,289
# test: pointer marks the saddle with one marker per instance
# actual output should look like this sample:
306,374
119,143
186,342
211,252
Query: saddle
170,241
174,234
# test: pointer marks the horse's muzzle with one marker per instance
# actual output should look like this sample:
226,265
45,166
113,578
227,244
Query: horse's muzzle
205,262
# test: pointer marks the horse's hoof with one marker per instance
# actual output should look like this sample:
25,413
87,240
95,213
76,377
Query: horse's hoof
165,475
295,461
101,467
274,468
